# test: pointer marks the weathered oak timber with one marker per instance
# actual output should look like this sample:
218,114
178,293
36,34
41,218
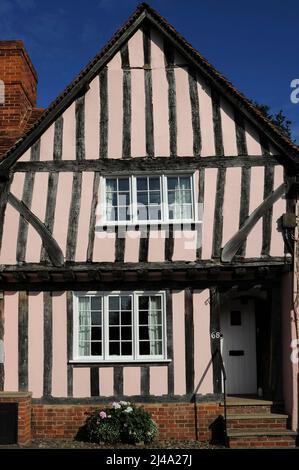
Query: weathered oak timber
233,245
23,341
194,112
172,113
127,111
48,347
189,340
149,119
103,113
52,247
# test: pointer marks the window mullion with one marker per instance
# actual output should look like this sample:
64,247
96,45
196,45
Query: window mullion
106,328
165,199
135,325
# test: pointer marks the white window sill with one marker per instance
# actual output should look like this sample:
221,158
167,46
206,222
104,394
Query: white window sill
119,361
110,227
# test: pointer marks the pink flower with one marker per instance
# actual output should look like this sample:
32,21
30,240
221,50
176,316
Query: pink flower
103,415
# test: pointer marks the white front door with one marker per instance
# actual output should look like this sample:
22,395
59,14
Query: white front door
237,320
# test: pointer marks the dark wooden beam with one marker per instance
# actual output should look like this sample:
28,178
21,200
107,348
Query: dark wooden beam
233,245
214,341
50,244
159,163
172,113
189,341
103,113
149,113
194,101
23,341
127,110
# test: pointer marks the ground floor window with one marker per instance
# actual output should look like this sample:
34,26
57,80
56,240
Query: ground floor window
119,326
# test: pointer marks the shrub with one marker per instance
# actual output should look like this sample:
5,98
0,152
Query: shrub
121,422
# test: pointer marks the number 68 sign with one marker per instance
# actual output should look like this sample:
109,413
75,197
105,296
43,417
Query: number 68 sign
216,335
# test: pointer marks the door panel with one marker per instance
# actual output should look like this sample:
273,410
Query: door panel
237,320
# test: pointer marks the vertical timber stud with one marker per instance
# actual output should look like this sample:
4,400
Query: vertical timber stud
1,341
246,174
74,217
218,213
127,111
120,244
149,119
221,175
103,113
58,134
48,344
92,221
69,304
27,199
144,243
118,380
267,219
80,128
23,341
169,321
215,343
94,382
195,112
201,195
189,341
145,381
4,190
172,115
50,208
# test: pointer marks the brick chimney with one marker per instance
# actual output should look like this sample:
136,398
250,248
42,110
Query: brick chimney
18,104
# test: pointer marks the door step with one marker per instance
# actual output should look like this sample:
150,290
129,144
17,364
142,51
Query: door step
261,438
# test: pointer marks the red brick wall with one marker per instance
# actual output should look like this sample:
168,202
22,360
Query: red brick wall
175,420
24,413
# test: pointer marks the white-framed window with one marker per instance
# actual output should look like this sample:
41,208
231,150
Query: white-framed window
119,326
151,199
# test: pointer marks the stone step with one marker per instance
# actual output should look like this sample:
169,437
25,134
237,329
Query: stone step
262,438
257,421
237,405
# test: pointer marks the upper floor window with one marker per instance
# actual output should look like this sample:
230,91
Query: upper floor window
152,198
119,326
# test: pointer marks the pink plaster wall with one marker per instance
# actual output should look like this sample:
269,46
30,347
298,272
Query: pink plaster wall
11,366
47,144
231,203
252,139
92,120
81,382
84,215
135,45
11,223
138,148
131,380
115,105
104,246
178,302
35,343
228,128
203,370
255,237
158,380
206,119
208,212
160,96
183,106
63,201
132,246
69,134
279,208
184,248
156,246
106,381
38,207
59,364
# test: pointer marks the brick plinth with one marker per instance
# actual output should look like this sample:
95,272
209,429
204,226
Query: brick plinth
24,413
183,421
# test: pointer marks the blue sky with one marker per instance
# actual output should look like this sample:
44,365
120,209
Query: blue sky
254,44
